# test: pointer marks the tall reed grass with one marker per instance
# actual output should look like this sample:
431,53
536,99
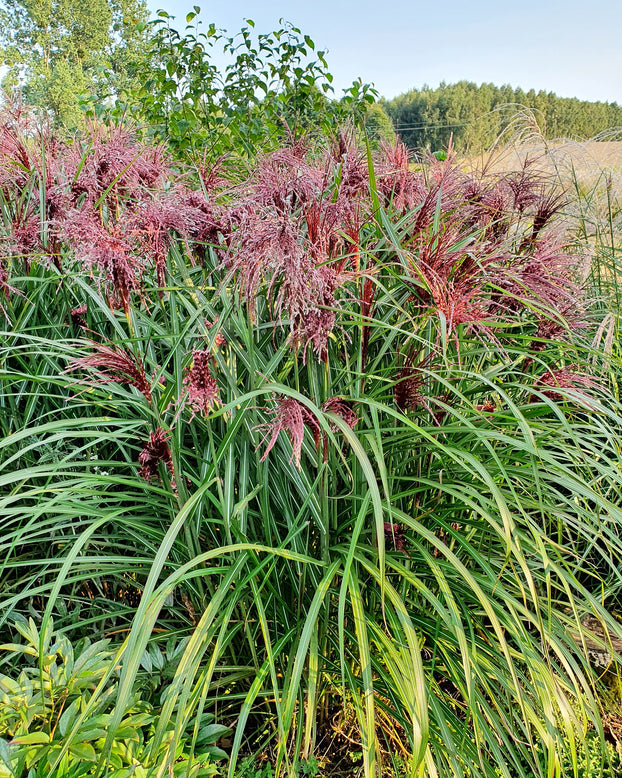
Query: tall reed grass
344,426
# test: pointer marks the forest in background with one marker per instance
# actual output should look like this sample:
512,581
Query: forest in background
475,116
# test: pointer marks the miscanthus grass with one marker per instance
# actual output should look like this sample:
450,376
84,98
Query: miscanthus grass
345,427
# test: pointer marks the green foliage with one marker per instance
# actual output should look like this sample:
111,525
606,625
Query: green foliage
474,116
61,53
249,769
308,768
54,714
592,761
273,84
378,124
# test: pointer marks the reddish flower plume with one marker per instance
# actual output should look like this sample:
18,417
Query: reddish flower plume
111,162
156,450
201,386
450,277
290,417
219,338
106,248
291,219
525,184
113,364
353,170
565,378
394,179
108,198
545,273
343,409
408,392
177,212
395,533
569,317
548,204
77,316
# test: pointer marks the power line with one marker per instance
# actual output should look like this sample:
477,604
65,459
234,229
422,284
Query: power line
426,126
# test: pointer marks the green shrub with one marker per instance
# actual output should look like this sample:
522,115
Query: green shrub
273,85
53,723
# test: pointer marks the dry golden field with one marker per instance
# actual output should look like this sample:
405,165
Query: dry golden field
590,173
564,160
587,157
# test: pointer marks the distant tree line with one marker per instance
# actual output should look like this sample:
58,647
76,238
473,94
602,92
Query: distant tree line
475,115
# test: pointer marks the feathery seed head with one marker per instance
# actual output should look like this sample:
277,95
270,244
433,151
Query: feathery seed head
291,417
113,364
156,450
200,385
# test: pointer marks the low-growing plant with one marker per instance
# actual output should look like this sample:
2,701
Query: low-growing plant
592,761
250,769
55,711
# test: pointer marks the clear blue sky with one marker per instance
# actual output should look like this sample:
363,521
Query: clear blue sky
572,48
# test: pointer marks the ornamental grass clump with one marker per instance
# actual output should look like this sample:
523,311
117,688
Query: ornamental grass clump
106,204
346,430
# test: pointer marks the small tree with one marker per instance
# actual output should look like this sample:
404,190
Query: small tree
274,84
378,124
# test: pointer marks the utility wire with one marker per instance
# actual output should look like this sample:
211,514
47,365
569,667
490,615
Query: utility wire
427,126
